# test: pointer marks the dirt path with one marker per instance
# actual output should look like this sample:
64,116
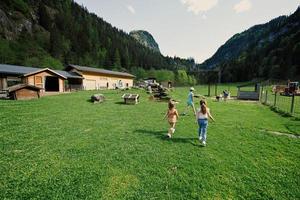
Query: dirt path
282,134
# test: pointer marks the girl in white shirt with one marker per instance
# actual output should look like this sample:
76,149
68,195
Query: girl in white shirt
202,118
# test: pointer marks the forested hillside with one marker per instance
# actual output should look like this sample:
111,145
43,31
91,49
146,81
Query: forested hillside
53,33
270,50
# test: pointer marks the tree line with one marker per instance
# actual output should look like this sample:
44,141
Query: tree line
65,32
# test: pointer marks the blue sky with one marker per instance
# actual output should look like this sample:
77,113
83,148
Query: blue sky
189,28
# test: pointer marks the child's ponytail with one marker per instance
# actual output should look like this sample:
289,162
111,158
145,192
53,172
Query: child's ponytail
203,107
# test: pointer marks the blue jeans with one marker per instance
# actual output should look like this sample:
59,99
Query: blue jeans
202,128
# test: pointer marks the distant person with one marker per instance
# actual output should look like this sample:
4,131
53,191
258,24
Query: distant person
172,115
225,95
202,118
190,101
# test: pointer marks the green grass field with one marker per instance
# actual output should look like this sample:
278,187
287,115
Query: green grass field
64,147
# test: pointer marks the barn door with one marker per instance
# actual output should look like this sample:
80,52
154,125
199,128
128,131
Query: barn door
38,81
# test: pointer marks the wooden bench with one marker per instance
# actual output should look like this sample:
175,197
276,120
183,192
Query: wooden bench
131,98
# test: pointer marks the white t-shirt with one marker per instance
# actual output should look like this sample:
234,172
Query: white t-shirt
201,115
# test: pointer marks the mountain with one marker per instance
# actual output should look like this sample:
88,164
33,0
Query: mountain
269,50
53,33
146,39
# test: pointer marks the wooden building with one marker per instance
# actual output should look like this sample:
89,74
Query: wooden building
47,79
23,92
95,78
249,91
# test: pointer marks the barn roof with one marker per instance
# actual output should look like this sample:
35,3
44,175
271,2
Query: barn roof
97,70
45,69
21,70
248,84
21,86
69,74
16,70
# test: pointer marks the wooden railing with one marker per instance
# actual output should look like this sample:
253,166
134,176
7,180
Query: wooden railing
73,87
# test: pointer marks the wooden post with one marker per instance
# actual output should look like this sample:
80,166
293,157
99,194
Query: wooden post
209,89
275,99
266,99
261,93
293,104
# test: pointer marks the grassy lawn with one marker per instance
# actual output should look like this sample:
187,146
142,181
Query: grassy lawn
64,147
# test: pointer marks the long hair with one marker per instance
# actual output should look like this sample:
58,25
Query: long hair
171,105
203,106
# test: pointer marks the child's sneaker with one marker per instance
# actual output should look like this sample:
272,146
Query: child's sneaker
173,130
200,138
169,135
204,143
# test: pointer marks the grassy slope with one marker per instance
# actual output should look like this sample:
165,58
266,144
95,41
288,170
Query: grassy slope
66,147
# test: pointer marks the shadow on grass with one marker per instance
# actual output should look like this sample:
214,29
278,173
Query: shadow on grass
163,136
121,103
280,112
293,128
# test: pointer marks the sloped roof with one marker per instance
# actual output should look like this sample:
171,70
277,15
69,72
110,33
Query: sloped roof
21,70
248,84
21,86
69,74
16,70
45,69
102,71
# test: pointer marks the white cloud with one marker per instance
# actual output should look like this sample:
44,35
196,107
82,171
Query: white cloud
131,9
242,6
197,6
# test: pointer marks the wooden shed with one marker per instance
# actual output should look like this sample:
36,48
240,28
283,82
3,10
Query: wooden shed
167,84
50,81
23,92
249,91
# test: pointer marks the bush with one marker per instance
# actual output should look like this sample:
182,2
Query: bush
52,63
182,77
20,5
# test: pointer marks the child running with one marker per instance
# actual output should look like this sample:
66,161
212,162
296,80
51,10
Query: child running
173,116
190,101
202,118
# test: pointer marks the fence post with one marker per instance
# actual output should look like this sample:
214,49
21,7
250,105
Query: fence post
275,99
209,89
261,93
293,104
266,99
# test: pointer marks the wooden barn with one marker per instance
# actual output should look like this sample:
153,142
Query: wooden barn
96,78
47,79
23,92
249,91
